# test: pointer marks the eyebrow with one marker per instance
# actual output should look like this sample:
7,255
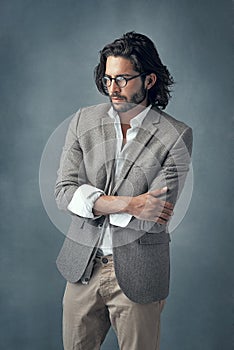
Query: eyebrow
119,75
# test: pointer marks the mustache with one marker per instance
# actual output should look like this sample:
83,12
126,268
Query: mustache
115,94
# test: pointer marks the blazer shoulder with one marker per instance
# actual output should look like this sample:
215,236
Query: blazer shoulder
184,132
99,110
89,117
171,130
175,123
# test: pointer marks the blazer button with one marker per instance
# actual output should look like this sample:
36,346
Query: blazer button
104,260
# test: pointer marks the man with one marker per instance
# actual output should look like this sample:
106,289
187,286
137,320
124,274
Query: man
122,169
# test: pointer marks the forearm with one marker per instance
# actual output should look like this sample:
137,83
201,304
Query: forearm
106,205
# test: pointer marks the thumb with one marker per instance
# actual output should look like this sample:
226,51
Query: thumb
159,191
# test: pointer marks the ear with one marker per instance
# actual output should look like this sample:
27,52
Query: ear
150,80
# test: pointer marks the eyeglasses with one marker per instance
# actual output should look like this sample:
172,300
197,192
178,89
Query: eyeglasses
120,80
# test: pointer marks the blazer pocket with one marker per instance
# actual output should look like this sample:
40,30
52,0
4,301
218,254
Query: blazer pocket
155,238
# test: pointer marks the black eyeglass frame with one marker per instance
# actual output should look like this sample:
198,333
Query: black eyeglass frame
126,79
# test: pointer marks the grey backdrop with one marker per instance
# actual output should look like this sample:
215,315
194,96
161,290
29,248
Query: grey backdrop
48,51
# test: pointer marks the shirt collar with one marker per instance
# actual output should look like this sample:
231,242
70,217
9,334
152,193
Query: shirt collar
134,122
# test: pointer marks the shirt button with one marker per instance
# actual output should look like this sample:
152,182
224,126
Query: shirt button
104,260
100,226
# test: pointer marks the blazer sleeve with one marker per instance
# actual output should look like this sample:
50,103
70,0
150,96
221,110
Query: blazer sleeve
70,174
173,175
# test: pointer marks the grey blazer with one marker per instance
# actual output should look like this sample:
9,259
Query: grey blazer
158,156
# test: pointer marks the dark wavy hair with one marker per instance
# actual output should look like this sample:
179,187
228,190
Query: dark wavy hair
141,51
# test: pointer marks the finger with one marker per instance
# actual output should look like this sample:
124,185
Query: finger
158,191
165,216
168,211
161,221
168,205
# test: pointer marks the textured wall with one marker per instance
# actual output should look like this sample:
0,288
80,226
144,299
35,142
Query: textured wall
48,51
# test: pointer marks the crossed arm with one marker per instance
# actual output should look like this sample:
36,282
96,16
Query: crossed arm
143,207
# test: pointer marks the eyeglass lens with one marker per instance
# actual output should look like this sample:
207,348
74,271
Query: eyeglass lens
120,81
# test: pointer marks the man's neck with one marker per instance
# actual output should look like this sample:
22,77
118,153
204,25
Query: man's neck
125,117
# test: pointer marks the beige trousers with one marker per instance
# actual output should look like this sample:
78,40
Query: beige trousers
89,311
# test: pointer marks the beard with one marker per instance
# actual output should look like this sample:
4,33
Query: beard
127,104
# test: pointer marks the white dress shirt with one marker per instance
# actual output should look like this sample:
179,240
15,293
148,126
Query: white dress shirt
85,196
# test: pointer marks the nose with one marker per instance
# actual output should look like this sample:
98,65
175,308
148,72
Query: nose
113,87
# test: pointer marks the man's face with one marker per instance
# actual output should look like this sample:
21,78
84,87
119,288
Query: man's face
126,98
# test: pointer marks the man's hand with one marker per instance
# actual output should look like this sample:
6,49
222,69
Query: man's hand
144,207
150,208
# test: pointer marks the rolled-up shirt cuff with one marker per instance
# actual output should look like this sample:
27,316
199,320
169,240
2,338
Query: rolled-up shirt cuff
83,201
121,220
